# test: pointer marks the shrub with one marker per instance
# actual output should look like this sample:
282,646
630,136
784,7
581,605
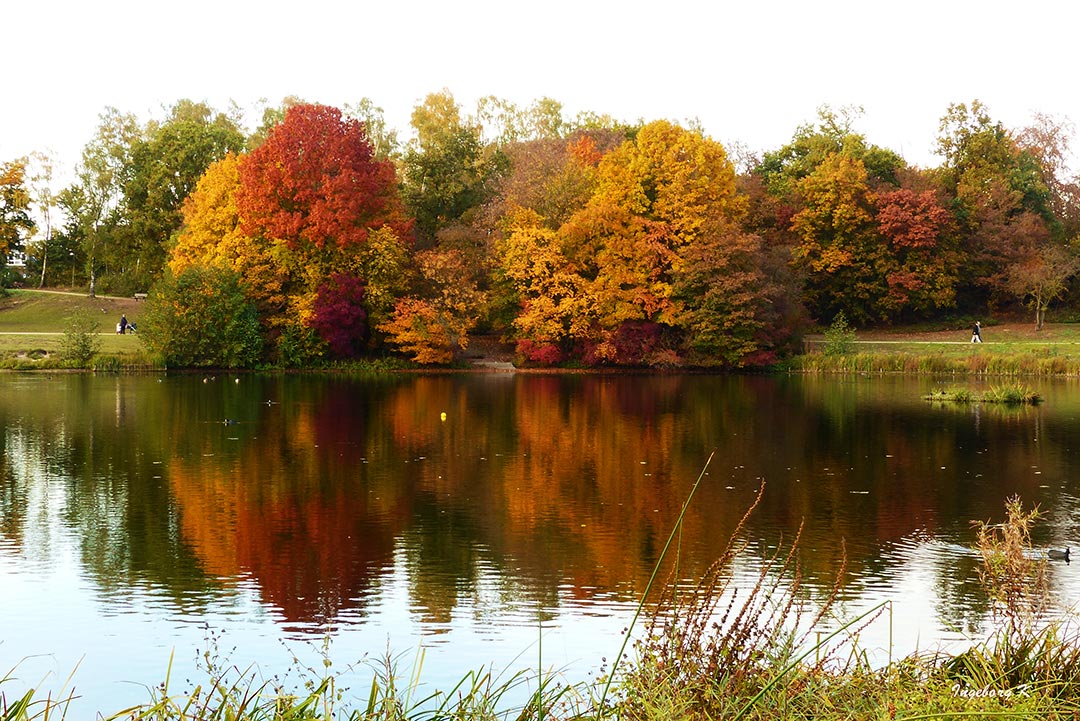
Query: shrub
340,318
546,354
202,318
81,342
419,330
840,337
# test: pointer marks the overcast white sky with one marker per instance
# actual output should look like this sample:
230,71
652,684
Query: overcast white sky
751,71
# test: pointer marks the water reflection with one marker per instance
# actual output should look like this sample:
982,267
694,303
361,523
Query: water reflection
289,505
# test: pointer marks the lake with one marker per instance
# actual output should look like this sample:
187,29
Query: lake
493,520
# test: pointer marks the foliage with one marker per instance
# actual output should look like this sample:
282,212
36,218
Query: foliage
839,337
655,247
339,315
418,331
81,342
201,317
649,224
315,183
166,162
446,169
15,221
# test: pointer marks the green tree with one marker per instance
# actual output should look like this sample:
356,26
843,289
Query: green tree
44,244
446,171
201,318
80,342
166,163
93,201
811,145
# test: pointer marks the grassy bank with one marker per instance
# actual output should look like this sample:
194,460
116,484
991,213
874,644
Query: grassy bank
1009,349
33,325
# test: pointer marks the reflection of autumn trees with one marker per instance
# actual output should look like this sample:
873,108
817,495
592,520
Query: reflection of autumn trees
293,507
534,487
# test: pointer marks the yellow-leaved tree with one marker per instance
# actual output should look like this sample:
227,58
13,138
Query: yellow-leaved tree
211,237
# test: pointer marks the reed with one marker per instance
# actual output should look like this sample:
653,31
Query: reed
1006,363
1011,394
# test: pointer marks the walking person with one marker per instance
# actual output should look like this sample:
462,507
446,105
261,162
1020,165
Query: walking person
122,328
976,333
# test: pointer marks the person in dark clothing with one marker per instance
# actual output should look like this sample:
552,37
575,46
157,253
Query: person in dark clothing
976,334
123,324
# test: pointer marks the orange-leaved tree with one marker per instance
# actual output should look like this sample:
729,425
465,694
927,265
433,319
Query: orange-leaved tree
431,326
922,266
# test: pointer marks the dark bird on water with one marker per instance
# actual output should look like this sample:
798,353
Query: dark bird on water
1057,555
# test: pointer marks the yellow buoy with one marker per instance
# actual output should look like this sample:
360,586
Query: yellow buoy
442,416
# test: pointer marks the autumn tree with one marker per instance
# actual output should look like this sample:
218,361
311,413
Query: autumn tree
211,236
434,322
838,247
553,310
166,162
1042,278
1002,204
1048,141
446,170
315,183
15,221
635,275
339,316
921,267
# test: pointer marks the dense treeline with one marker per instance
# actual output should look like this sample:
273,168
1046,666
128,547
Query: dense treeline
319,236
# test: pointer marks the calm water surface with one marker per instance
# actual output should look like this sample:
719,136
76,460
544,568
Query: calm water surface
142,517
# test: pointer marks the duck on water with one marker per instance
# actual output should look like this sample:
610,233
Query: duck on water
1056,555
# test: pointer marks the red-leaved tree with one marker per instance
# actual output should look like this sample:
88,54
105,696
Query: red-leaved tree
316,182
339,315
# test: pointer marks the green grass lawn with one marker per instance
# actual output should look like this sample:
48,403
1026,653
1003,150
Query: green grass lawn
32,324
1008,347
